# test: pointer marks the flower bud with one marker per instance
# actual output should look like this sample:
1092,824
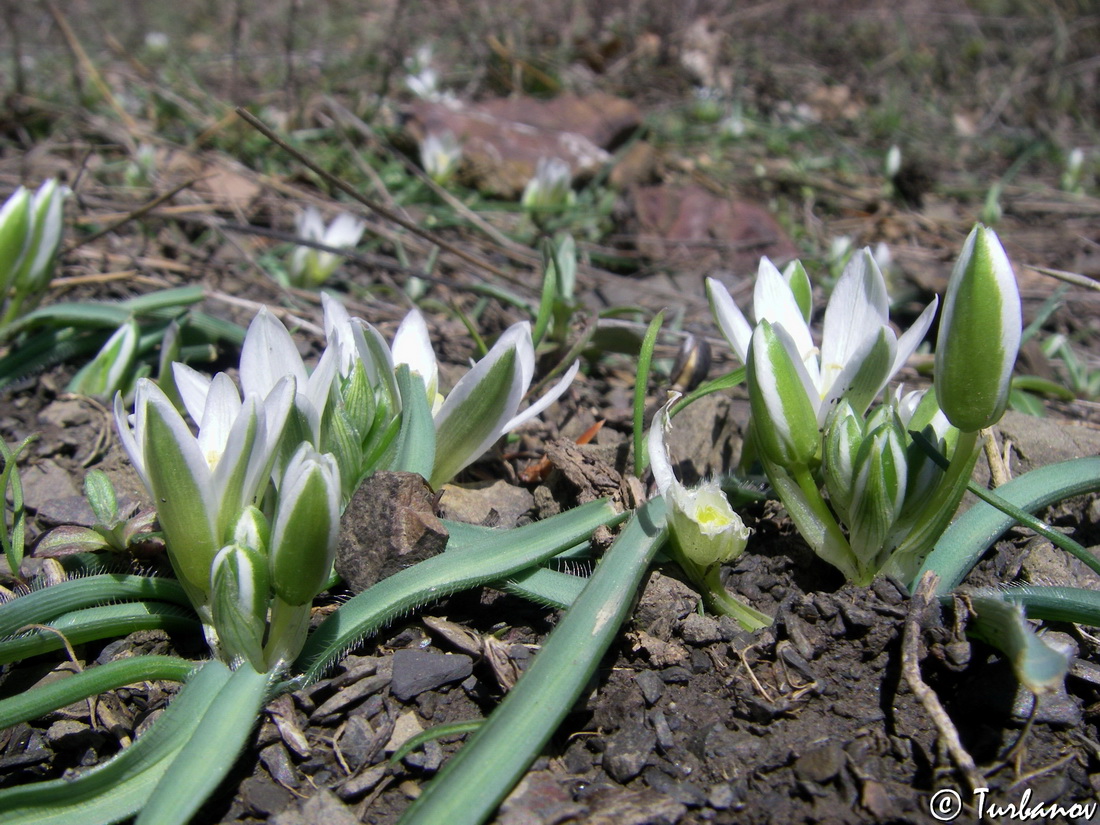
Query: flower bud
878,493
240,593
979,334
843,437
307,520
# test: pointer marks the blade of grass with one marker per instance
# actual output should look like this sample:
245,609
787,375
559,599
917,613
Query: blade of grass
645,362
94,623
211,751
40,606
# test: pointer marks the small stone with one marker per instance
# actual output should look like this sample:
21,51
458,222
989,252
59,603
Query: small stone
628,752
721,797
700,630
69,733
415,671
820,764
263,796
675,675
277,761
678,789
427,758
45,481
493,504
662,729
362,783
356,742
405,728
324,806
651,685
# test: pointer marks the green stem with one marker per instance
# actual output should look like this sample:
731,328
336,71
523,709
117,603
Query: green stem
719,600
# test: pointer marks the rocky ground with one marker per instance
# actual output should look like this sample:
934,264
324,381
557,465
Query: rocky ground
691,719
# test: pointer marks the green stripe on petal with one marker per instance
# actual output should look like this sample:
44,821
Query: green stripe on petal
783,411
979,335
474,415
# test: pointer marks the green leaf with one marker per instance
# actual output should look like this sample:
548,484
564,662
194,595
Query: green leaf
1039,667
641,386
92,681
119,787
964,543
416,440
93,623
211,751
472,783
101,497
42,606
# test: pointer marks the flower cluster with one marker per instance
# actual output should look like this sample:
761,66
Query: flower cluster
250,504
835,461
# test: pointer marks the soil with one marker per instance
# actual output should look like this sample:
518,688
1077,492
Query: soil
691,719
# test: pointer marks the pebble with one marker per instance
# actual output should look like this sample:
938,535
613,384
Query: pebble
415,671
700,630
820,764
263,796
356,742
662,730
675,675
324,806
277,761
651,685
627,752
684,792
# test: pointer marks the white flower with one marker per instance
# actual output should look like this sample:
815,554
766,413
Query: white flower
440,154
550,188
702,524
484,404
859,351
311,267
201,484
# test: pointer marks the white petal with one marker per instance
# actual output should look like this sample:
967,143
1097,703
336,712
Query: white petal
413,346
193,388
320,380
552,395
731,321
223,405
268,354
858,308
344,231
912,337
773,301
659,460
125,429
311,226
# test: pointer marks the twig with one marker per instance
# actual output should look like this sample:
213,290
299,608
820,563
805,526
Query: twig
90,70
389,215
910,668
516,250
137,213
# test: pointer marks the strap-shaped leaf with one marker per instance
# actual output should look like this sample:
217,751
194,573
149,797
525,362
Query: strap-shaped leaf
119,787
